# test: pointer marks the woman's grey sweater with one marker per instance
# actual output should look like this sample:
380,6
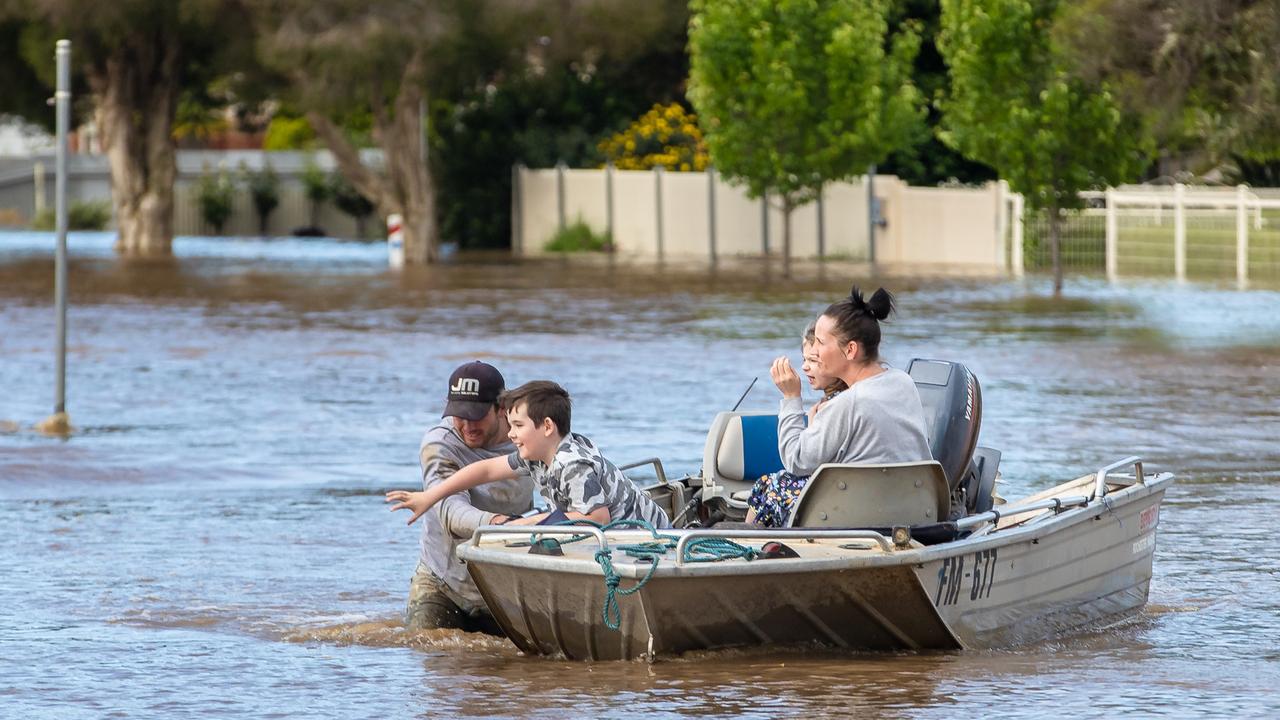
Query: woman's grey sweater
878,420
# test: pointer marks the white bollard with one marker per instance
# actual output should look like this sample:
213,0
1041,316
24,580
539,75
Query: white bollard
395,240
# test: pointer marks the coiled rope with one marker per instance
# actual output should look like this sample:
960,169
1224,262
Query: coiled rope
708,549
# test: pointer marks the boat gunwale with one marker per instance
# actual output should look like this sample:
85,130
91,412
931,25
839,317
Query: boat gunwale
1029,530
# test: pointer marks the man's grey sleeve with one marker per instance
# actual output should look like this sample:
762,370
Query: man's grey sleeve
802,448
456,512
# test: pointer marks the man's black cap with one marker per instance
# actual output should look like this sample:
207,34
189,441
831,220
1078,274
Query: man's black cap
473,389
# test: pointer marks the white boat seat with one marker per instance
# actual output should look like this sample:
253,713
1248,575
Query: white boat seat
741,447
875,496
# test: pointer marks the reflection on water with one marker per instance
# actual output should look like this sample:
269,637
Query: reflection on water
212,541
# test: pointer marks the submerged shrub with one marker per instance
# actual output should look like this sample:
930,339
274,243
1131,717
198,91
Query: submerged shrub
215,193
91,215
579,237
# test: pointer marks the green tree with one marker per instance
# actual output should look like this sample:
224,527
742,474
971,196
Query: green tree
794,94
1205,74
136,58
1015,105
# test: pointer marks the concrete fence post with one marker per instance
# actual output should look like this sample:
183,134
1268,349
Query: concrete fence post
1019,209
517,209
1242,236
1180,232
37,180
657,202
1111,239
822,225
711,211
608,203
764,223
560,199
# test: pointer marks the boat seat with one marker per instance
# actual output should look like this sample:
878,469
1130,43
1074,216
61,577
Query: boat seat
741,447
853,496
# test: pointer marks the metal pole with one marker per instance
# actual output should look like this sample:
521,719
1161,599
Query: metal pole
871,215
711,210
63,97
657,201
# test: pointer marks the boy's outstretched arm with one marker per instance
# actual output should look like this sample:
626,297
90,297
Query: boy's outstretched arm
473,475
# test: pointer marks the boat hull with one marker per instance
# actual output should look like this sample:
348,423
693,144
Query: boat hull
1027,581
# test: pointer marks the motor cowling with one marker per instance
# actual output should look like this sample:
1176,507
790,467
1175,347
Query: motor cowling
952,400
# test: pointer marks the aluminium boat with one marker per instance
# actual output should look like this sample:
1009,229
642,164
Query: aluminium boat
877,557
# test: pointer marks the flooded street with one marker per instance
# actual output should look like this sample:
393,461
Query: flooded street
211,541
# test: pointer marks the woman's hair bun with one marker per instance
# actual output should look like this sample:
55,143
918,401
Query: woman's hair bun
878,307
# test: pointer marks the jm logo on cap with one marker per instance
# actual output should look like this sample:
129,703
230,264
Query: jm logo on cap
473,390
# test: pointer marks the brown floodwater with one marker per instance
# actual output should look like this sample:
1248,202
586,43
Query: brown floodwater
211,540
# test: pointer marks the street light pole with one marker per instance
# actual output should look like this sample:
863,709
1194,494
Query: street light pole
59,423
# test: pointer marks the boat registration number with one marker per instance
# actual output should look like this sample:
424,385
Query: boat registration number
955,576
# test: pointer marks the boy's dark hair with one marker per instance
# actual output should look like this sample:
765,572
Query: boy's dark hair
542,399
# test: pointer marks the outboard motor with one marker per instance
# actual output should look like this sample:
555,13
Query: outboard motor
952,400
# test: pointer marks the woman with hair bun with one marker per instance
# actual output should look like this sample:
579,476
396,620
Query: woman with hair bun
878,420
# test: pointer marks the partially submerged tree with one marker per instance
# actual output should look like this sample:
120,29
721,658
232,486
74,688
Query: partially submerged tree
136,57
1015,105
794,94
388,58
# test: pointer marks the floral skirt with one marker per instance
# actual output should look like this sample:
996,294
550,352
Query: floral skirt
773,496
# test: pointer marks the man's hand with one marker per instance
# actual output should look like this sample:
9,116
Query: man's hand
785,377
418,502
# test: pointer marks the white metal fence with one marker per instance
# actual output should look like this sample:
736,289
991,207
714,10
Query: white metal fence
1176,231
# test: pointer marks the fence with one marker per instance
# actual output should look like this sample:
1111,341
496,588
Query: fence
26,186
1169,231
693,215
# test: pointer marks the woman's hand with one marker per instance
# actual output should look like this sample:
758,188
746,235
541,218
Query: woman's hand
418,502
785,377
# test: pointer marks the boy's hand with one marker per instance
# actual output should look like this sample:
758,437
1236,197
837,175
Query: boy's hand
418,502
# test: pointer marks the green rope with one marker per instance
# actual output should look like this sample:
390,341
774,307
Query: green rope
710,549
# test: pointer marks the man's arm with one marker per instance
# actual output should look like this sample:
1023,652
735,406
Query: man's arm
473,475
458,516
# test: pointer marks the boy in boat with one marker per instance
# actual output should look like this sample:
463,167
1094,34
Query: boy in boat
567,467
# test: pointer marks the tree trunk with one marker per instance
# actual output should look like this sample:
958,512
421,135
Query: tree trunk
1055,248
137,87
404,186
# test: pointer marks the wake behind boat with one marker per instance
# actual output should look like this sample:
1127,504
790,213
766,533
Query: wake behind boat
892,557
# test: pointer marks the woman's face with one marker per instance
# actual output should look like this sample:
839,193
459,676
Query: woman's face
832,360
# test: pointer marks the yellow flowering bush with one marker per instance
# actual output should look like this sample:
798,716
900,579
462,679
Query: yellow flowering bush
666,136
